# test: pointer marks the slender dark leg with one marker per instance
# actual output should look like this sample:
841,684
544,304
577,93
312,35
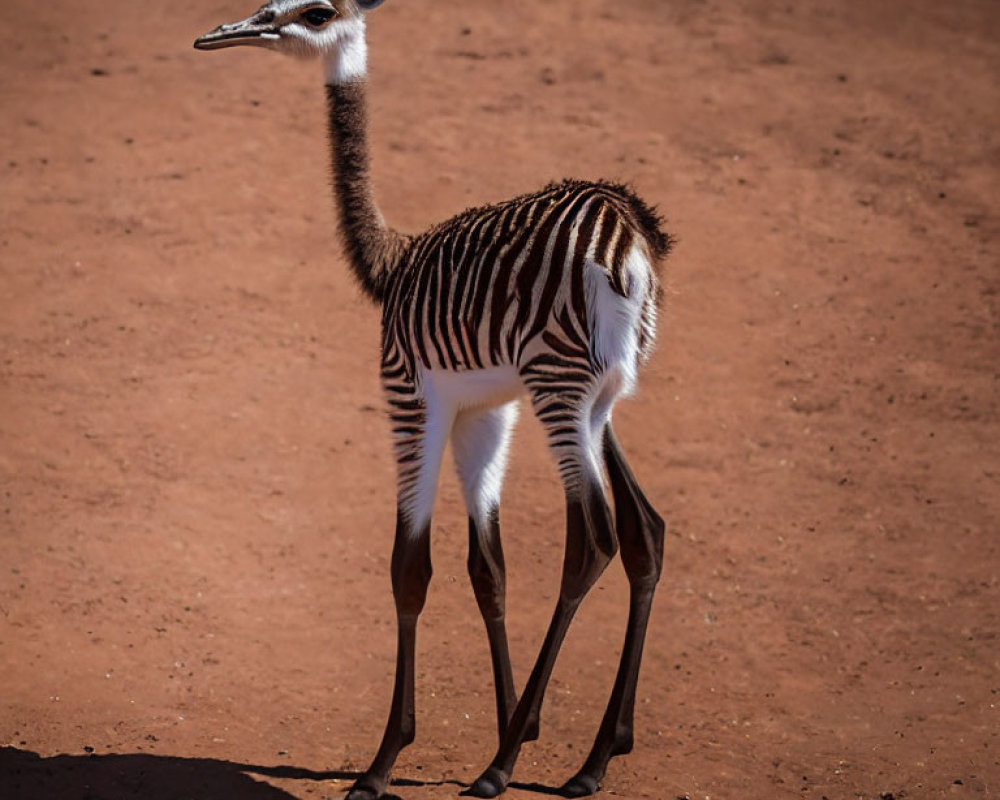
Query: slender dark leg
590,545
640,533
488,575
480,440
411,574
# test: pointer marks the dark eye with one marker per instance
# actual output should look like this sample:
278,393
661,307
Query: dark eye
317,17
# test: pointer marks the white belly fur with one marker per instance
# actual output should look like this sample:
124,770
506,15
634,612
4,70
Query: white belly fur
478,388
446,394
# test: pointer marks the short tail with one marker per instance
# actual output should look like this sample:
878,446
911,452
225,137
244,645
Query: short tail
649,223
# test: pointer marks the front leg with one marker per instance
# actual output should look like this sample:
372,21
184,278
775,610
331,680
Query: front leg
420,431
486,571
411,574
480,440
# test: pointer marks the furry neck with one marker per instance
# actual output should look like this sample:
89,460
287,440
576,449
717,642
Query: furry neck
373,249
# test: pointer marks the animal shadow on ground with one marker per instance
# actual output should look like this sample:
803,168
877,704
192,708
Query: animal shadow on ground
139,776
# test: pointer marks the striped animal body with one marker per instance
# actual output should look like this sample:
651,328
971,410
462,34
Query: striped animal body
553,295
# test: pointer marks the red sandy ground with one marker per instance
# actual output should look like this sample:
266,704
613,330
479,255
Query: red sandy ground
197,490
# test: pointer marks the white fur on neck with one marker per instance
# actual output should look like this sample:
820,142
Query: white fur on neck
348,60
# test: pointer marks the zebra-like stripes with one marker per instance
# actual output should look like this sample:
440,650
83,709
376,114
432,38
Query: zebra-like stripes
474,292
516,286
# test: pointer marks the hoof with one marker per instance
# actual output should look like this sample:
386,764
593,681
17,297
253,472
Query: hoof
490,784
580,785
531,734
365,789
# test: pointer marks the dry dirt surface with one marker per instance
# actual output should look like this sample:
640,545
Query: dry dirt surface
196,485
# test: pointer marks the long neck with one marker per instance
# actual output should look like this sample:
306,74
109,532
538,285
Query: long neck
373,249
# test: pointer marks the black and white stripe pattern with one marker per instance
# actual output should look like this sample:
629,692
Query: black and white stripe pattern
516,286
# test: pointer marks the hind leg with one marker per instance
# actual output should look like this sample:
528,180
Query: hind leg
640,533
590,546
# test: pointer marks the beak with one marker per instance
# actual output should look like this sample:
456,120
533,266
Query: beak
258,30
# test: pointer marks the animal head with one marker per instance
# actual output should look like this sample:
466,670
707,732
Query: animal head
304,28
